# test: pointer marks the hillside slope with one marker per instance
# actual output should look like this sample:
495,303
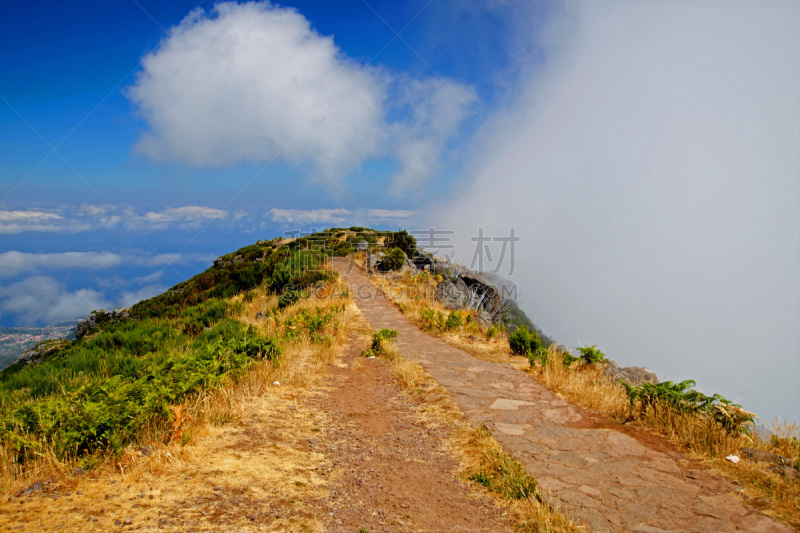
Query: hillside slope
247,398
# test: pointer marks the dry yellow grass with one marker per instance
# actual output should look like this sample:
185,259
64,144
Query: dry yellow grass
583,384
476,450
199,452
699,437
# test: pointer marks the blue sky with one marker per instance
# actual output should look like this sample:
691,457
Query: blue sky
646,155
74,182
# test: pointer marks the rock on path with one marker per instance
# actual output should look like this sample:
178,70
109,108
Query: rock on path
607,478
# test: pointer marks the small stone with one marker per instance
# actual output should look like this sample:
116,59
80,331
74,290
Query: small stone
117,522
127,521
217,488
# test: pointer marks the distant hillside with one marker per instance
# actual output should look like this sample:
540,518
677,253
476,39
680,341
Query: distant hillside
15,340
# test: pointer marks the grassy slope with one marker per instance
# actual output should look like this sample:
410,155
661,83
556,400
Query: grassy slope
128,378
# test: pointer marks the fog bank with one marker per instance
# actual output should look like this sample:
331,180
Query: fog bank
651,170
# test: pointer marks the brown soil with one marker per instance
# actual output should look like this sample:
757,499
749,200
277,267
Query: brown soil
395,475
354,453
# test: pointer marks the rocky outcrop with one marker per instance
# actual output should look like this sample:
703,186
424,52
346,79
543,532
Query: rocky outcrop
463,289
632,375
780,465
41,351
96,318
484,294
373,260
450,295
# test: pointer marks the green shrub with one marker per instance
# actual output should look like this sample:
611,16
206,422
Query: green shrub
453,321
527,343
106,408
394,259
401,239
591,354
518,341
380,340
288,298
681,397
432,319
567,357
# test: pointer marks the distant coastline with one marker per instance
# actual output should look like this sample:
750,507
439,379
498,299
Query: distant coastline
15,340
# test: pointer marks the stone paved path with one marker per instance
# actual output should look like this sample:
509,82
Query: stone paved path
604,477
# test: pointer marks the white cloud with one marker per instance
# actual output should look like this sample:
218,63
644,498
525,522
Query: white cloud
149,278
254,82
12,222
128,298
96,217
309,216
249,80
187,217
160,260
14,262
389,214
437,108
44,300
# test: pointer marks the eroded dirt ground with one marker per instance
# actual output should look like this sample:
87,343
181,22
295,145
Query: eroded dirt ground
352,453
395,475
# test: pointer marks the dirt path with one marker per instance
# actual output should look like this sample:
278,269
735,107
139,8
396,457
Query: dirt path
395,475
609,479
351,452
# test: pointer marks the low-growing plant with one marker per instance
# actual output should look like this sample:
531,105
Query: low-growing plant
289,297
380,340
527,343
432,319
500,472
591,354
108,413
454,321
681,397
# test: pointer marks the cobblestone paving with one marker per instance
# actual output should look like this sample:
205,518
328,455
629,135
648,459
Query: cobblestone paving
601,476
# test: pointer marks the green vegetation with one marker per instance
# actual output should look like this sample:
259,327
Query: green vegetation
394,259
402,240
380,340
499,471
682,398
435,320
492,331
454,321
527,343
591,354
278,268
314,323
98,393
